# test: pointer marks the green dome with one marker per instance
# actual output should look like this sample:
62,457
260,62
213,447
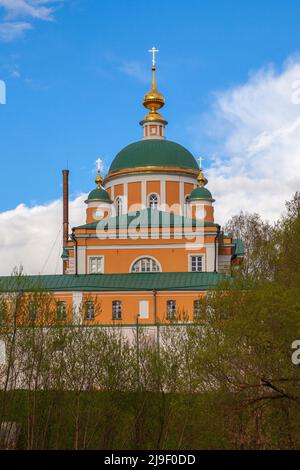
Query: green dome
200,193
99,194
154,152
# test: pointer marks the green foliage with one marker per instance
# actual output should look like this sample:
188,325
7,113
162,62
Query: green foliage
224,382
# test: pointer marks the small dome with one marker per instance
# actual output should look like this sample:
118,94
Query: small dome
201,193
99,194
157,153
153,100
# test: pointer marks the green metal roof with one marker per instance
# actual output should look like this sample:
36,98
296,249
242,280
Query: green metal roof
186,281
147,218
239,247
99,194
200,193
154,152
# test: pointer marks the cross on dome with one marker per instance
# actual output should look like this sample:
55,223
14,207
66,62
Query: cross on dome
153,52
99,163
99,180
200,162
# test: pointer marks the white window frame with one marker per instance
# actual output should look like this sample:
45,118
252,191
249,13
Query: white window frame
171,312
90,258
116,310
197,316
202,262
61,310
119,206
86,316
140,258
158,201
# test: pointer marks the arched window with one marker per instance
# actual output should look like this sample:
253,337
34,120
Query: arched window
153,201
118,206
145,265
186,205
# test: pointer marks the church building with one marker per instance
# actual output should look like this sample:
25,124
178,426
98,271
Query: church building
149,248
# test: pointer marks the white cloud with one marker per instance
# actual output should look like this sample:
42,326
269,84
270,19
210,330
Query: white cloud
32,236
252,132
11,29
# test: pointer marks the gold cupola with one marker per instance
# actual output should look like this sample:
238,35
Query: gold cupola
153,122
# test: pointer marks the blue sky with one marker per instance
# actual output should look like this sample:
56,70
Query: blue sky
76,76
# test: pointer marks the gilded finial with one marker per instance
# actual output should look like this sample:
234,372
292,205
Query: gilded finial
202,181
154,100
98,179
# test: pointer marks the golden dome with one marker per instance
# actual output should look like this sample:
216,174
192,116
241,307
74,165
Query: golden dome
154,116
98,180
154,100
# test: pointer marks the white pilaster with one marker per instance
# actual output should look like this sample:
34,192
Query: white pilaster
81,260
162,192
125,198
210,258
181,196
144,194
77,308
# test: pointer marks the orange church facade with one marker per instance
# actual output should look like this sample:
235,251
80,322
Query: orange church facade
149,248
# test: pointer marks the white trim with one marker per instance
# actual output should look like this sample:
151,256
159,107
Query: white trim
125,197
135,293
158,199
77,306
146,247
210,252
88,263
201,202
81,252
181,195
155,176
120,198
97,204
144,193
145,256
203,262
163,192
144,308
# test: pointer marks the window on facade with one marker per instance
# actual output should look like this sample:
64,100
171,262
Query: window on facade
186,205
118,205
171,309
153,201
196,263
145,265
89,310
61,311
96,265
33,311
117,310
198,310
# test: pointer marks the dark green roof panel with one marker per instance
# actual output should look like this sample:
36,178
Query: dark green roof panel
112,282
147,218
99,194
154,152
200,193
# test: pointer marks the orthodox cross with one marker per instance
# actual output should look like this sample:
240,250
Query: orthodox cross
99,161
153,52
200,162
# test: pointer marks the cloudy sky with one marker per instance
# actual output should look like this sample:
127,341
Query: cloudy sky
76,70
